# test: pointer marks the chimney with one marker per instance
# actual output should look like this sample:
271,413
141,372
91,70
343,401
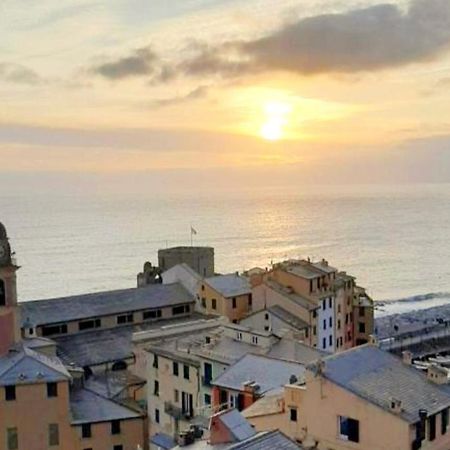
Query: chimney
396,405
407,357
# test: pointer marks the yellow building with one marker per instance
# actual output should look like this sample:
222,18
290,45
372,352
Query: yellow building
227,295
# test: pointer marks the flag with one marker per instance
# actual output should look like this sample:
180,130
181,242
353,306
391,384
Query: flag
193,230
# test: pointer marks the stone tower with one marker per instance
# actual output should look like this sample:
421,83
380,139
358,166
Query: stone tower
9,309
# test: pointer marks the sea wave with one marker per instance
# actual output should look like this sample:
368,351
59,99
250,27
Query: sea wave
418,298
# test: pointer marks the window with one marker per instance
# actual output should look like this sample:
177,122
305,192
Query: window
293,414
118,447
306,333
444,421
52,390
339,324
234,302
176,395
86,430
362,327
266,328
155,361
203,287
330,340
12,438
177,310
314,330
89,324
330,322
152,314
361,312
115,427
156,388
314,314
10,393
337,343
255,340
54,329
203,302
339,308
175,368
53,434
341,341
250,300
185,372
213,303
324,304
324,324
324,343
2,293
157,415
207,399
432,428
348,429
330,302
239,336
125,318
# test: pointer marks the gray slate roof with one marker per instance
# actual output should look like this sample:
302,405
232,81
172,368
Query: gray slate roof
230,285
268,373
379,377
272,440
99,304
27,366
288,317
163,441
95,347
87,407
237,425
293,350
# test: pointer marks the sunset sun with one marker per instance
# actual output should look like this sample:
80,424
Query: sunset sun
276,116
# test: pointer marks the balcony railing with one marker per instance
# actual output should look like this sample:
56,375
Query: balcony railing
176,412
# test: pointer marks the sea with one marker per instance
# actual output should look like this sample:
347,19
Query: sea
395,239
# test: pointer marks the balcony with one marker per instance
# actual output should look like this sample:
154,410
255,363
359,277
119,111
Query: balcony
176,412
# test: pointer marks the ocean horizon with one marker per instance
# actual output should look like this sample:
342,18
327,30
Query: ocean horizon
393,239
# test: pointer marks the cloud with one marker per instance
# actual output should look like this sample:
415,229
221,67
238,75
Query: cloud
373,38
16,73
142,62
197,93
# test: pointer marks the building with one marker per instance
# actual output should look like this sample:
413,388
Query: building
184,275
229,430
104,310
44,403
339,314
199,259
370,399
251,378
227,295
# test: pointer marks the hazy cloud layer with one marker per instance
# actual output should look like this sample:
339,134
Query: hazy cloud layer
16,73
142,62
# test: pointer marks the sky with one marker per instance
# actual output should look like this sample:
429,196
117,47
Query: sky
313,90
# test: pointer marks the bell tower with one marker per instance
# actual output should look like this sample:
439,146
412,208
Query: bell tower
9,309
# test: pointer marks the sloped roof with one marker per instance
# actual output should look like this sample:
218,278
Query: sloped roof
236,424
230,285
184,275
88,407
270,440
26,366
288,317
268,373
65,309
163,441
379,377
293,350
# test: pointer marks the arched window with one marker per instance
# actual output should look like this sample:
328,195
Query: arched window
119,365
2,293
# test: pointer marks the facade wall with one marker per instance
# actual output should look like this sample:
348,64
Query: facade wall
132,434
224,306
168,384
111,320
32,413
326,324
319,406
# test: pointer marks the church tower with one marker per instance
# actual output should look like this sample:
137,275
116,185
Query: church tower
9,309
